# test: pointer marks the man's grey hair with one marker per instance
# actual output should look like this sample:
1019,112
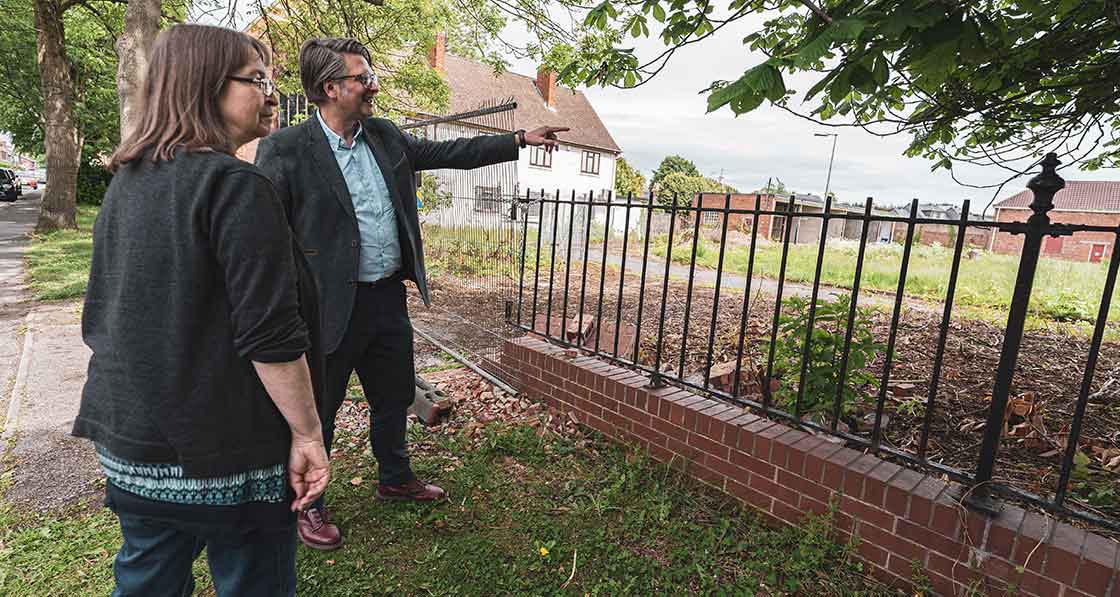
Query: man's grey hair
320,60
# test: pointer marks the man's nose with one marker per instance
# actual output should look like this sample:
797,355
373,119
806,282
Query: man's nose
272,99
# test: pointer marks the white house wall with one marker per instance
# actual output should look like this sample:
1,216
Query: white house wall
565,173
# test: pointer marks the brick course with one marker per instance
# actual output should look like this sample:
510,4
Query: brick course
900,517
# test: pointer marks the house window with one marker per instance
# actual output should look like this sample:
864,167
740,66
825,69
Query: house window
486,199
590,163
710,218
541,158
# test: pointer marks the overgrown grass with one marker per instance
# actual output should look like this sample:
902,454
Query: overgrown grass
1063,290
58,262
523,508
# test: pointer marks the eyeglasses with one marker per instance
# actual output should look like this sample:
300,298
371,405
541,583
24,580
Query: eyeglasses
266,85
363,79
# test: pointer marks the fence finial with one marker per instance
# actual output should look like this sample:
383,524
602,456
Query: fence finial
1046,184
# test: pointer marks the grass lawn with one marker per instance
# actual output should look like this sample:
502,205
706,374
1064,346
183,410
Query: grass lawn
1063,290
524,509
58,263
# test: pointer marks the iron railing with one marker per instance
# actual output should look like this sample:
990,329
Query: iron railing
548,304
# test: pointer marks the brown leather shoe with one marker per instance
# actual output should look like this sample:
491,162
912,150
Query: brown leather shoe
316,532
415,491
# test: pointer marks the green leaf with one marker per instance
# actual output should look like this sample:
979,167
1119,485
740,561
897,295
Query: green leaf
846,29
879,73
659,13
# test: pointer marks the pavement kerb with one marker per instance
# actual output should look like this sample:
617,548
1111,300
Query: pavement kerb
19,387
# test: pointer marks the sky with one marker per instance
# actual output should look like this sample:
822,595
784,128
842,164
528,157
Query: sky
667,116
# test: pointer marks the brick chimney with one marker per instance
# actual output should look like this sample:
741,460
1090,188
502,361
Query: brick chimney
546,83
437,53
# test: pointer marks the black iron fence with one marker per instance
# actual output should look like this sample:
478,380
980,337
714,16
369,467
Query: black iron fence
600,275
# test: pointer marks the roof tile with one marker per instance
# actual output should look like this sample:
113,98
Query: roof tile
1100,196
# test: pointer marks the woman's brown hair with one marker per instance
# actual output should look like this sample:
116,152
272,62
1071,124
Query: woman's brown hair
189,65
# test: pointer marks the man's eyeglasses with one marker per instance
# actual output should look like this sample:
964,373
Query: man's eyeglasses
268,86
363,79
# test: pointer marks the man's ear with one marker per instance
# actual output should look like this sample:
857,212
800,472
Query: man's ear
330,89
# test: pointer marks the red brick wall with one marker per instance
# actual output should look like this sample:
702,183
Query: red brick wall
739,201
1074,248
900,516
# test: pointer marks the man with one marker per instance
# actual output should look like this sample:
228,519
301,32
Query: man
347,181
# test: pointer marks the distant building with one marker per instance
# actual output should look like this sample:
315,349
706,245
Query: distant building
1080,202
585,161
802,230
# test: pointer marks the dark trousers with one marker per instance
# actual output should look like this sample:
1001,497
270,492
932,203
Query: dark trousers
157,555
378,345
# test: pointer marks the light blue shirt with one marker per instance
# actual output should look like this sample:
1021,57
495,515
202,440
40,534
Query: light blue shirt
380,253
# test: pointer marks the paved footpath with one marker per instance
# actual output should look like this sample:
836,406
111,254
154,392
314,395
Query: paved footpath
42,370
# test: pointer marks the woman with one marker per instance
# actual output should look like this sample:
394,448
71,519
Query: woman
202,323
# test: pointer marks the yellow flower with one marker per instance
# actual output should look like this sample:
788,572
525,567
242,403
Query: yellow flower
544,551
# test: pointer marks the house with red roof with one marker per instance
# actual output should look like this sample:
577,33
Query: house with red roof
1080,202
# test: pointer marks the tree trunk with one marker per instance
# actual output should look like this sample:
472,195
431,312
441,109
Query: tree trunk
61,132
141,25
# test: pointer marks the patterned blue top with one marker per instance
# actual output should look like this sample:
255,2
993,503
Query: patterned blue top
165,483
380,255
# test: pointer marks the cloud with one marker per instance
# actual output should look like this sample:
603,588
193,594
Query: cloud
667,116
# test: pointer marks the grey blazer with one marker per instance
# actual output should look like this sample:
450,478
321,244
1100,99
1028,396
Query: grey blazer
321,214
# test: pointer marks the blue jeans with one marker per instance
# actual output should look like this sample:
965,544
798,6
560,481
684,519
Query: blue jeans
157,555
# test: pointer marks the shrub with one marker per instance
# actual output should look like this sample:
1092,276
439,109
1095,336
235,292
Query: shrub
823,372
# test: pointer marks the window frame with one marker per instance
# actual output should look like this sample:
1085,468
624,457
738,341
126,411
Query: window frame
596,159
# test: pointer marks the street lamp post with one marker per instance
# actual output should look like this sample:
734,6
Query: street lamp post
828,180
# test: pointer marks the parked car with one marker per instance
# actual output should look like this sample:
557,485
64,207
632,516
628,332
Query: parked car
28,179
9,185
41,174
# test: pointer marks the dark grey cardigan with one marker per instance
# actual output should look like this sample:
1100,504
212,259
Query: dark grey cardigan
194,276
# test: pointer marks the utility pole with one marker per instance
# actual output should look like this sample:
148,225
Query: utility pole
828,180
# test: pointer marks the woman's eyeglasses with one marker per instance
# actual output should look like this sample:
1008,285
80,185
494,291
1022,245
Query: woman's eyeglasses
363,79
268,86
